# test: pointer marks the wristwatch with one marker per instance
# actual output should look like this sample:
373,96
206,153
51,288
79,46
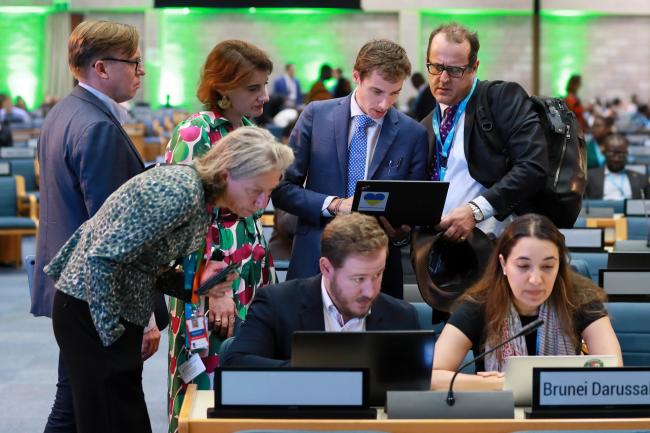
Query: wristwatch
476,212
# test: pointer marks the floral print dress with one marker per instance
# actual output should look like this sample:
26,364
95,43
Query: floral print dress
240,239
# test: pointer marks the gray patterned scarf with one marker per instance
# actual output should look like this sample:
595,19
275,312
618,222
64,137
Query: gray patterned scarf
551,340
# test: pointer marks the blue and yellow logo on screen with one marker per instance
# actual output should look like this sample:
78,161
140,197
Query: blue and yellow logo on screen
373,201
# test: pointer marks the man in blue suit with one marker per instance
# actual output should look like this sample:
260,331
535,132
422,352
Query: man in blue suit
84,156
288,87
340,141
345,297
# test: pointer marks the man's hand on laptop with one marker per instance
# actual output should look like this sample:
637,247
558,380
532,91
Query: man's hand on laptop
340,206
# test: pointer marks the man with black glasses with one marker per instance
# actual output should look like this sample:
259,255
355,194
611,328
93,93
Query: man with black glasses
84,156
486,184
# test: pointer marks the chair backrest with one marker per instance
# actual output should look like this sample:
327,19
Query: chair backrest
637,228
595,261
8,199
25,168
632,327
424,315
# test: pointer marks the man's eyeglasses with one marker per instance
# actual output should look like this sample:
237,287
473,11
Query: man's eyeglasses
452,71
137,62
616,153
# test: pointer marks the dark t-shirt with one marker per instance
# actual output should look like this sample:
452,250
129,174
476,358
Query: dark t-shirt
469,318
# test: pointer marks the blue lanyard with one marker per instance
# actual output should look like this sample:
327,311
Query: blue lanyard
620,185
443,149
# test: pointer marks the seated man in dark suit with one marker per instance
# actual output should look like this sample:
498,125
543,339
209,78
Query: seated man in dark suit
614,181
344,297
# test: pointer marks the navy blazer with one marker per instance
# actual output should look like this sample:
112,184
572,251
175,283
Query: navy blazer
84,155
265,337
320,145
280,88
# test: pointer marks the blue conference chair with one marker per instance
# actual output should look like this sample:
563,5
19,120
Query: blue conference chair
632,327
637,228
594,261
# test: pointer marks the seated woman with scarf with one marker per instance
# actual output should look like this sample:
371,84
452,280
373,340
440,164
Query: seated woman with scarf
528,277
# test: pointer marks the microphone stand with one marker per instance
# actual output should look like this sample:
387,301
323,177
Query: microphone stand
646,214
451,400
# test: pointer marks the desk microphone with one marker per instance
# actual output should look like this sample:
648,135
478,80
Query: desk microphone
646,215
524,331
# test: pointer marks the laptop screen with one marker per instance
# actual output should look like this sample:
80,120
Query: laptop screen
398,360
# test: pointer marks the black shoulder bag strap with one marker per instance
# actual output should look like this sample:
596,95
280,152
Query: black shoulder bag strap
484,117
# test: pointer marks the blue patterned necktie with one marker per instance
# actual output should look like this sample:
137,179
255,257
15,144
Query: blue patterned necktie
358,150
445,127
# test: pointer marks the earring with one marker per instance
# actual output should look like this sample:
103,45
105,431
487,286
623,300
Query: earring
504,272
224,103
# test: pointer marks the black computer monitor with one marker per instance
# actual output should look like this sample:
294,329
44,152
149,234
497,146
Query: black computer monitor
628,260
398,360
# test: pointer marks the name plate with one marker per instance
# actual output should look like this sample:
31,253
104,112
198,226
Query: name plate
17,152
584,238
591,387
636,208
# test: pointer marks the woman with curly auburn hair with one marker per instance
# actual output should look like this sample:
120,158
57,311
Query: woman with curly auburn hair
233,90
528,277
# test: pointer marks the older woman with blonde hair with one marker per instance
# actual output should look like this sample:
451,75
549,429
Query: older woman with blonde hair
528,277
232,90
107,271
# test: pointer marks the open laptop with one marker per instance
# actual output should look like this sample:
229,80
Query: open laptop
398,360
408,202
519,371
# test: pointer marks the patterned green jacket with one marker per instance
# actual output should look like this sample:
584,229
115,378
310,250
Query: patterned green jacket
112,260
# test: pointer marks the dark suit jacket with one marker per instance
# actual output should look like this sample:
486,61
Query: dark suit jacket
596,183
320,145
265,337
84,156
517,173
280,88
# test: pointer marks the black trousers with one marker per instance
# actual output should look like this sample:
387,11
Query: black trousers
106,382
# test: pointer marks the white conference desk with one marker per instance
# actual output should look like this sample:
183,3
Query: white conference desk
193,419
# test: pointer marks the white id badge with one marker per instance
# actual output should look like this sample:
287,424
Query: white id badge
197,333
191,368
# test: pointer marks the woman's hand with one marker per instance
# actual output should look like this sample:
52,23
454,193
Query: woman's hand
221,315
218,290
494,378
